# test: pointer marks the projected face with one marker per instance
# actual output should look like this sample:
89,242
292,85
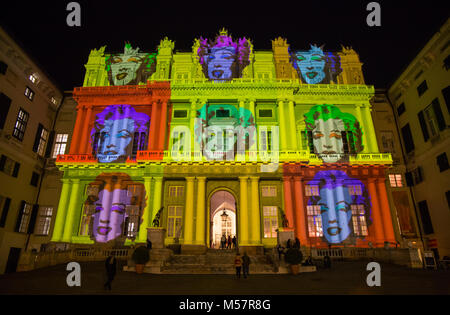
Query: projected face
336,213
115,138
220,62
110,214
327,139
311,65
124,68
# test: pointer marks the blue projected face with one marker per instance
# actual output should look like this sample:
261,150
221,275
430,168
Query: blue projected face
336,213
115,138
220,62
311,64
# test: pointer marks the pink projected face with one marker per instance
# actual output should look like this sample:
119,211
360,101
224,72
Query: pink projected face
109,215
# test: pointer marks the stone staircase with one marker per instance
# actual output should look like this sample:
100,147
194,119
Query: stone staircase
214,261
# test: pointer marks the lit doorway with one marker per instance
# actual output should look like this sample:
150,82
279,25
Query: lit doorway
223,217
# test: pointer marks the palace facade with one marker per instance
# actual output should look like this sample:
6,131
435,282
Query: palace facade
225,139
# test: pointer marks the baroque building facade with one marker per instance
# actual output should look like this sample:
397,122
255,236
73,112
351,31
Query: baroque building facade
225,140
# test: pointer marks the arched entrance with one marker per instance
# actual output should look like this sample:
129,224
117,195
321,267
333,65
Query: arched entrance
223,217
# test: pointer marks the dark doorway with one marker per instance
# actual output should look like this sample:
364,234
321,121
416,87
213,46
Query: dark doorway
13,260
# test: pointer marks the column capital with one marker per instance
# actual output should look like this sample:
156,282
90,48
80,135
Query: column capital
147,178
201,178
190,178
158,179
298,178
243,178
75,180
252,100
254,178
65,180
287,178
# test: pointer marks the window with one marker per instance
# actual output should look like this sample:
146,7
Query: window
312,190
445,93
447,195
425,218
442,162
3,67
265,113
179,113
314,221
178,141
270,221
407,138
9,166
4,207
401,109
60,144
447,62
32,78
266,140
139,142
414,177
87,220
43,221
5,103
174,217
176,191
24,217
40,140
21,125
355,190
54,101
387,141
269,191
221,113
359,220
422,88
132,221
34,179
395,180
29,93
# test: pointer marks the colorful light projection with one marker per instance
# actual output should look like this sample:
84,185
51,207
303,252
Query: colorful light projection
113,208
344,206
334,134
316,66
223,59
119,131
131,67
223,130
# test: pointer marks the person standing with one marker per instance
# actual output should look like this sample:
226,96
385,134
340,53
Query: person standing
245,265
234,241
111,267
223,240
238,265
229,242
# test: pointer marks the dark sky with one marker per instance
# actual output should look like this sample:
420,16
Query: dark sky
40,27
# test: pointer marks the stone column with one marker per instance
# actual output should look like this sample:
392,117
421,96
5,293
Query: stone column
371,135
255,217
153,127
385,211
282,125
84,141
293,129
288,201
243,213
75,141
300,211
363,127
147,215
58,228
71,211
201,211
163,127
252,108
157,198
376,212
189,212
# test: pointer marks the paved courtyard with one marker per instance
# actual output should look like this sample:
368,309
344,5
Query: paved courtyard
343,278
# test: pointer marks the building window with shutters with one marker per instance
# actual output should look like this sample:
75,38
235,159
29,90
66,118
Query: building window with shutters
407,138
270,221
432,120
442,162
43,221
314,218
174,217
5,103
4,208
21,125
29,93
425,217
60,144
422,88
40,141
9,166
24,217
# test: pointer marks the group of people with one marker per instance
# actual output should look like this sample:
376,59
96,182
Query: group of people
242,262
289,244
228,242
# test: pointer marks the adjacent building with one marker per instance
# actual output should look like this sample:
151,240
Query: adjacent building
421,101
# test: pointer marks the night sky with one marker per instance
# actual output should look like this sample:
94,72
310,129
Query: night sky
40,28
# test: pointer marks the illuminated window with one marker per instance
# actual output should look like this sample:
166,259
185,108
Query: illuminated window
40,140
32,78
312,190
387,141
314,221
174,218
266,140
24,217
53,100
270,221
87,219
269,191
29,93
60,144
178,141
176,191
9,166
396,180
43,221
355,190
359,220
131,225
21,125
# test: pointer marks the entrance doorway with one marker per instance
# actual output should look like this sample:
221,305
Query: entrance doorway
13,260
222,218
